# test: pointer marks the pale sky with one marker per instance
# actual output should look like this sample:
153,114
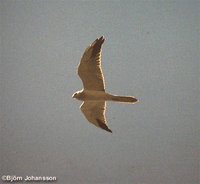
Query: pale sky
151,52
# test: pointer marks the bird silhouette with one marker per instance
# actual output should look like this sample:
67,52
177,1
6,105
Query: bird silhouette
93,94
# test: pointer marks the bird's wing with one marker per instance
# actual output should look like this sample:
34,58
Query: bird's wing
89,68
94,112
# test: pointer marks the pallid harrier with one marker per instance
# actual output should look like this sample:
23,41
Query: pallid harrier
93,94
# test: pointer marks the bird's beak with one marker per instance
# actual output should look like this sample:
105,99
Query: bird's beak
73,96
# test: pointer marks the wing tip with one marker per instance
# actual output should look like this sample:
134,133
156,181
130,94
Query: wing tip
96,46
102,38
103,126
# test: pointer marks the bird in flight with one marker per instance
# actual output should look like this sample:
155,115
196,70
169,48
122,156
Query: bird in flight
93,94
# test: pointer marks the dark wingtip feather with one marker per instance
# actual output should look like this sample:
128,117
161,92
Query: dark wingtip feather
103,125
102,38
97,45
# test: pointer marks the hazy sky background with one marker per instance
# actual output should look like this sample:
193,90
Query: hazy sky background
151,52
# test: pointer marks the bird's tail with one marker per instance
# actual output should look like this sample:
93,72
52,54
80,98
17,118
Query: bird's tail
125,99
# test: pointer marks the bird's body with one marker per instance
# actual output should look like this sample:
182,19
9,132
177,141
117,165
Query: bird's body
93,94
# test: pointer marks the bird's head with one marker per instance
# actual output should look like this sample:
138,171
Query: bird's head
74,95
77,95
